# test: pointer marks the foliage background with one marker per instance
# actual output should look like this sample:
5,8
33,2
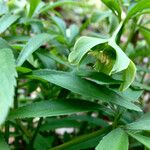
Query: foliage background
61,87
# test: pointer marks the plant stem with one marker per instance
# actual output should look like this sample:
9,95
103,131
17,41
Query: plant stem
117,118
7,132
35,133
16,98
82,139
131,35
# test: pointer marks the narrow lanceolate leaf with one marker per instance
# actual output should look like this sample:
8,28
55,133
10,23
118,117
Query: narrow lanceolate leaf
115,140
114,6
3,144
138,8
51,6
33,44
53,108
128,76
145,32
33,5
141,138
83,87
6,21
141,124
7,78
60,24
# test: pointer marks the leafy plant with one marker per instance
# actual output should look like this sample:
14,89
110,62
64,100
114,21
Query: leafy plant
74,75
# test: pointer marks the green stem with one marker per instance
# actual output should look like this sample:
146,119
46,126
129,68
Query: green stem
82,139
117,118
7,132
131,35
35,133
18,122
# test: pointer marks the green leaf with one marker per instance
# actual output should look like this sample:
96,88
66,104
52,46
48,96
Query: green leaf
46,60
97,77
53,108
82,46
128,76
83,142
145,32
141,124
4,44
138,8
23,70
59,3
122,61
73,32
114,6
60,24
18,38
43,142
3,8
109,56
33,6
3,144
115,140
142,139
130,94
81,86
55,58
7,76
33,44
6,21
113,23
139,85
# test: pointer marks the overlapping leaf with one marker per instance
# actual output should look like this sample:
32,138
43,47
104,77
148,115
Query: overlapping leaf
33,44
141,124
141,138
33,6
115,140
6,21
81,86
106,62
